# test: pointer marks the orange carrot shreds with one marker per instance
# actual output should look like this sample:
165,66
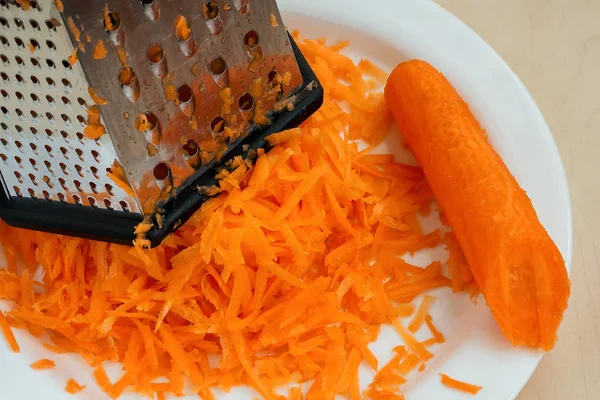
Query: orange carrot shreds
284,136
286,275
458,385
73,57
59,5
8,334
73,387
43,364
99,50
74,29
101,101
439,337
422,313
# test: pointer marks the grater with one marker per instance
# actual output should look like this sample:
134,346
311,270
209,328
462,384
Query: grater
119,111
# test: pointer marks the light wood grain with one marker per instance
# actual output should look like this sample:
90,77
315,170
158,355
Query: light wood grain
554,47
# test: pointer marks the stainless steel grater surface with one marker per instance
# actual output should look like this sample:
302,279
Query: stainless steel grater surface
181,86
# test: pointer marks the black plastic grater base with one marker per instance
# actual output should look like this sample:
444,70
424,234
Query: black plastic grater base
117,226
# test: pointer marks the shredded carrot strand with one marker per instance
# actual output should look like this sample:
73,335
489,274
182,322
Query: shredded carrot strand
43,364
8,333
458,385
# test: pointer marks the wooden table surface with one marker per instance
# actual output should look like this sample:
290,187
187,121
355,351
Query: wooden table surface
554,47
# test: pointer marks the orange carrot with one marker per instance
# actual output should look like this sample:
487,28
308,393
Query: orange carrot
422,313
458,385
73,387
516,264
8,333
43,364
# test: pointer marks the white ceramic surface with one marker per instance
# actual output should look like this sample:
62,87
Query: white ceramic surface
388,32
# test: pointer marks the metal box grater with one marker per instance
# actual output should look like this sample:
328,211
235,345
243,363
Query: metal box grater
179,104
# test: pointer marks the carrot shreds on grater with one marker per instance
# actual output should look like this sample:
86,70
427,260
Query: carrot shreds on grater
117,112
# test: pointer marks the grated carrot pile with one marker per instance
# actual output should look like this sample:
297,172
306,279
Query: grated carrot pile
285,277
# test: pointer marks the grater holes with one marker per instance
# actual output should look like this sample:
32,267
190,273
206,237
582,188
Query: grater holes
35,63
20,79
19,113
66,120
18,176
50,118
66,102
19,42
67,85
218,69
4,76
4,94
51,45
4,59
108,204
32,193
77,200
17,191
189,148
35,99
35,81
61,197
64,152
78,185
185,95
129,84
4,41
50,63
5,112
64,168
93,187
19,130
162,175
3,157
4,127
92,202
19,24
64,135
34,43
46,194
156,57
50,101
33,131
34,149
67,65
4,142
210,11
19,162
183,33
217,125
51,83
79,170
81,120
35,116
50,25
151,9
34,25
114,22
95,173
49,166
48,182
124,205
19,145
96,156
109,189
34,4
49,150
49,134
245,102
32,179
80,136
19,97
251,40
4,23
82,103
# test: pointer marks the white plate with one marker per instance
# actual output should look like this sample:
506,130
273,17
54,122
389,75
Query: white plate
388,32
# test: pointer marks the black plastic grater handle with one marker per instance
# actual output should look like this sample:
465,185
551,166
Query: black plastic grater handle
117,226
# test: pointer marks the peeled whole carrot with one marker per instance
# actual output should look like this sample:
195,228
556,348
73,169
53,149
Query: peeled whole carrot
516,264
